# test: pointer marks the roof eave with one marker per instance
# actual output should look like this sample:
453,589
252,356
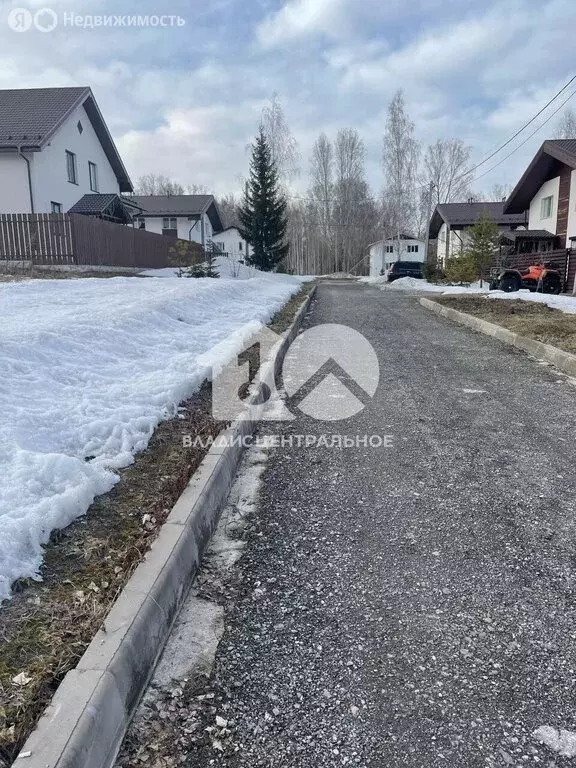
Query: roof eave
21,148
516,202
98,123
437,219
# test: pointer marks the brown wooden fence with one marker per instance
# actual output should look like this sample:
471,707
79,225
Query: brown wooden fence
52,239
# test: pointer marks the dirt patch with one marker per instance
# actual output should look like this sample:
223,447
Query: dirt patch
531,319
20,276
47,625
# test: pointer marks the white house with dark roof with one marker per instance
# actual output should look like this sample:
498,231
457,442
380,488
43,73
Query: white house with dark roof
189,217
384,253
54,148
547,192
451,222
231,242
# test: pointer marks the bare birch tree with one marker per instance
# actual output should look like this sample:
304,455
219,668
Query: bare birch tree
321,194
566,128
446,166
499,192
228,207
283,145
354,211
400,164
157,184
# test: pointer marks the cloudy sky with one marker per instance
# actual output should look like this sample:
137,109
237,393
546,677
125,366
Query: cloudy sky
185,101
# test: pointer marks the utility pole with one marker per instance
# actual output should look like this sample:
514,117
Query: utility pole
429,212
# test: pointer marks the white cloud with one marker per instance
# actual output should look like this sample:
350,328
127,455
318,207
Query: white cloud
301,18
204,145
189,110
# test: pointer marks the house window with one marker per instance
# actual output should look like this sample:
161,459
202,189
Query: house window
93,173
389,249
412,249
546,207
79,126
240,245
169,226
56,207
71,167
220,246
140,222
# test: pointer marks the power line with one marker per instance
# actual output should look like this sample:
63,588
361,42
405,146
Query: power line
475,167
526,139
511,139
485,158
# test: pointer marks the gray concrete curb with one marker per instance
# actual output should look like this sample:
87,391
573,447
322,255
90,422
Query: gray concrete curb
564,361
87,718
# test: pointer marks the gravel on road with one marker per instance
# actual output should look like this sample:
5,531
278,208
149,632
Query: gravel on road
413,605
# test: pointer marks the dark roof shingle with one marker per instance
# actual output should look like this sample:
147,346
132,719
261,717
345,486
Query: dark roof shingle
29,117
173,205
92,203
469,213
466,214
528,234
180,205
548,162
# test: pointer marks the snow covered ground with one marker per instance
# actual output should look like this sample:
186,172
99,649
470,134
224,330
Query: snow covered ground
227,268
89,369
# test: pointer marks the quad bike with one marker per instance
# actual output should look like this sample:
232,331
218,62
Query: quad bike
542,278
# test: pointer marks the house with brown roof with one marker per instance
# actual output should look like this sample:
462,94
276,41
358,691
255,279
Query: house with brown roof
451,223
547,193
55,148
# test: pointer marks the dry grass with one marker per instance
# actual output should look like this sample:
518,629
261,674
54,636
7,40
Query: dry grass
47,625
21,275
531,319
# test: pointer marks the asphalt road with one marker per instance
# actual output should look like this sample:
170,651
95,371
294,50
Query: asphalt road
414,605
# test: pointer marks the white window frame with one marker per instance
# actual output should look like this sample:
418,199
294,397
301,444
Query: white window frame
389,249
413,249
549,200
71,167
56,207
93,176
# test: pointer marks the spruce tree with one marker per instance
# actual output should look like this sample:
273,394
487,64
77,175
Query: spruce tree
262,215
483,244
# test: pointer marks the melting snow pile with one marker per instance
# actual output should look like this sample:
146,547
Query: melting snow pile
89,368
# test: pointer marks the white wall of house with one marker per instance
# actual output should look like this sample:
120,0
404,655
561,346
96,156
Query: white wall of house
457,242
535,220
49,171
385,252
14,190
187,230
231,242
